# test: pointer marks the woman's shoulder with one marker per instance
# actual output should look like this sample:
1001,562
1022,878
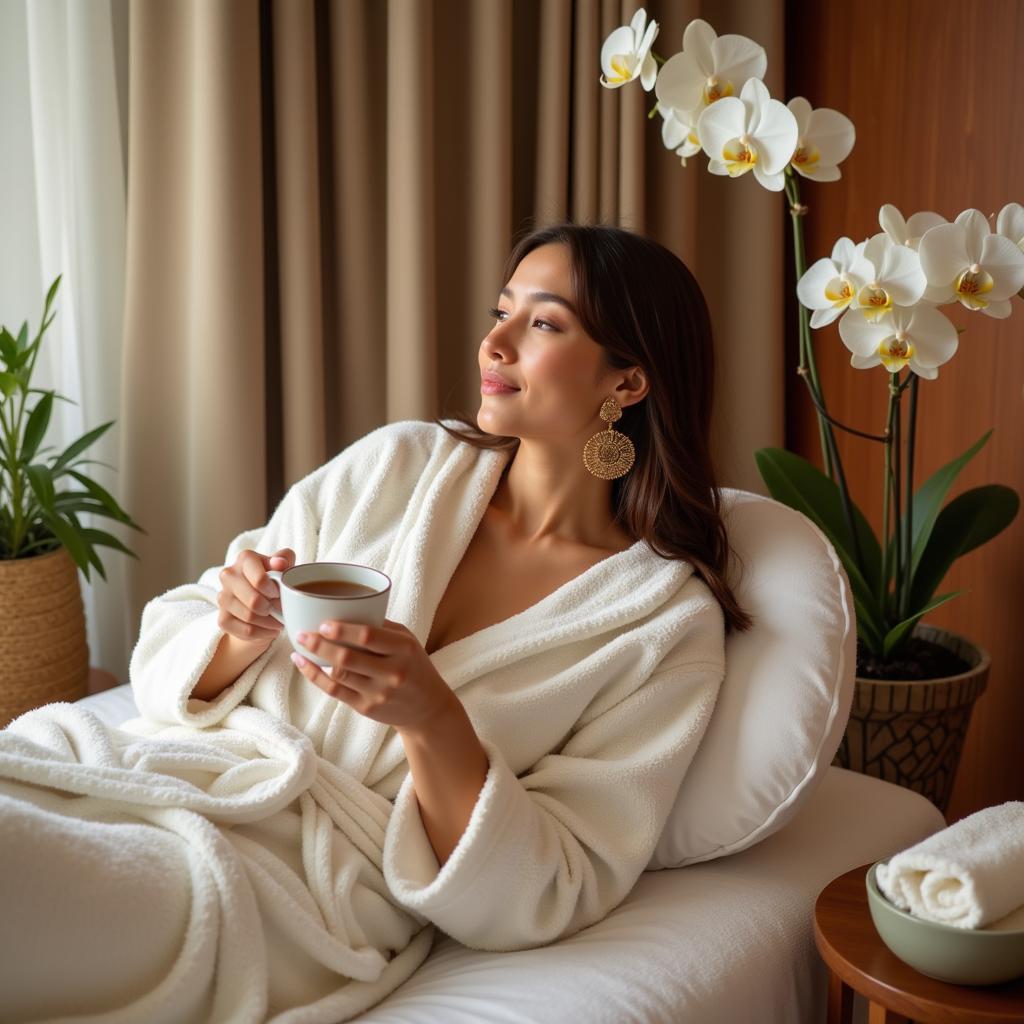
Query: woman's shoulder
410,437
421,433
403,447
687,594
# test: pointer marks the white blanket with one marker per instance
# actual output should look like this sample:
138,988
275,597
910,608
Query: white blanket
313,883
970,875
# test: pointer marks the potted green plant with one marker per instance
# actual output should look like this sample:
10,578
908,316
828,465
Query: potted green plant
915,684
43,543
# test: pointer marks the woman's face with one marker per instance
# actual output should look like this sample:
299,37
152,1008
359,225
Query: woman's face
539,347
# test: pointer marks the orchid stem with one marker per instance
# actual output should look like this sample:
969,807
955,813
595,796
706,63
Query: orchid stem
797,212
908,501
883,579
897,469
809,372
803,371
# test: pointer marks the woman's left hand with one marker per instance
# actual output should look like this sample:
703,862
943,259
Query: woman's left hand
391,679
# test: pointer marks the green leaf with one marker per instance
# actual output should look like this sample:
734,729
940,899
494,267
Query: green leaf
8,347
927,503
8,384
968,521
818,497
66,497
70,501
68,536
42,485
94,558
38,421
80,445
56,395
107,540
23,337
50,294
800,485
92,462
95,561
80,501
867,626
895,635
26,355
101,495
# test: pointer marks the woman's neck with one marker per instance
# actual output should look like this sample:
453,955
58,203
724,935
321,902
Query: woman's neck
544,498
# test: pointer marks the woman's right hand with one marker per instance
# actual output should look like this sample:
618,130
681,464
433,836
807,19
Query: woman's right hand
247,594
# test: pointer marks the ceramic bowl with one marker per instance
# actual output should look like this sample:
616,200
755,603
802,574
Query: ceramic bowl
961,956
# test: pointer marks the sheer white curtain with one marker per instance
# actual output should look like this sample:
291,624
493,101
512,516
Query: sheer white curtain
62,207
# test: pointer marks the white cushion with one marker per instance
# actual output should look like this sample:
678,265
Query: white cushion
788,686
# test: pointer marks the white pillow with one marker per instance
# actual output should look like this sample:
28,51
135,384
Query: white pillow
788,686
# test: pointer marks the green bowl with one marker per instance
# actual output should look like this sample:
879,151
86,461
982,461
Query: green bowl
961,956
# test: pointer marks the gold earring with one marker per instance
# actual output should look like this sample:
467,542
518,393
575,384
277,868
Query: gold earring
609,454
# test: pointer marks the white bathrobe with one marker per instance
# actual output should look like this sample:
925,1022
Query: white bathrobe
277,829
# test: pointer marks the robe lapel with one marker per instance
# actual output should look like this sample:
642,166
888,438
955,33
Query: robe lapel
426,557
617,591
434,535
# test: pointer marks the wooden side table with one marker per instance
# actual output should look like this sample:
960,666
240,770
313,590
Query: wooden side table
858,961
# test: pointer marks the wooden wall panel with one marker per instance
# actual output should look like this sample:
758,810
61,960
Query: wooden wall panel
935,89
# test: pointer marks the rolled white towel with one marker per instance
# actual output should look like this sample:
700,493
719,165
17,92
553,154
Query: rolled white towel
968,875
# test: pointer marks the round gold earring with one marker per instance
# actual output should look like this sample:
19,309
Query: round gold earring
609,454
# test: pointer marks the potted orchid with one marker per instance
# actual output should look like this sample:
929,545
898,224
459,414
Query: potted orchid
913,681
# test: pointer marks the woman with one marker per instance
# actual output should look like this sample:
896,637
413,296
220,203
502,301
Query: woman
499,758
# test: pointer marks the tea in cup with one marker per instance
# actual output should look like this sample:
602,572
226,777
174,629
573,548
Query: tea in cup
317,591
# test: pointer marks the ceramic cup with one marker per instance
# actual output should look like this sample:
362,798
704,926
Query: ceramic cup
303,611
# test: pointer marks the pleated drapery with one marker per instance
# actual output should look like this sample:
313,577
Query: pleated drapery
321,198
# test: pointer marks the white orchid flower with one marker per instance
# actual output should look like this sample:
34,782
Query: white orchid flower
921,337
707,68
830,285
907,232
967,262
896,279
1010,223
751,132
679,132
626,54
824,140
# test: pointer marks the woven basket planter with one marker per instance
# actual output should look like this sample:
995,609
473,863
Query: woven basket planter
44,656
912,732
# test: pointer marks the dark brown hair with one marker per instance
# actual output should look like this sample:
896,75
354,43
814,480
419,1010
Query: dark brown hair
639,301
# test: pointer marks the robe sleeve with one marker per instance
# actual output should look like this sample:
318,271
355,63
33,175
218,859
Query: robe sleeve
179,633
556,849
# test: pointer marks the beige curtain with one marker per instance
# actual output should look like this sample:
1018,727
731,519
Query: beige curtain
321,196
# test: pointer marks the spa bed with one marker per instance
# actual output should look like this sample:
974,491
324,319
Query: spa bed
723,934
725,941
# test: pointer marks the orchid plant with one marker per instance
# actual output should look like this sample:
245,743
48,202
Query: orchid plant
884,291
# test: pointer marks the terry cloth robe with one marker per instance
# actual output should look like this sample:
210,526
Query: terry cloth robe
261,856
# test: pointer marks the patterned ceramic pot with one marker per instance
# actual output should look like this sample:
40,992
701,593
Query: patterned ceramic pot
44,656
910,731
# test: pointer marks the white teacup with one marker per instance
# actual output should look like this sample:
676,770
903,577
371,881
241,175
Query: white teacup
304,611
